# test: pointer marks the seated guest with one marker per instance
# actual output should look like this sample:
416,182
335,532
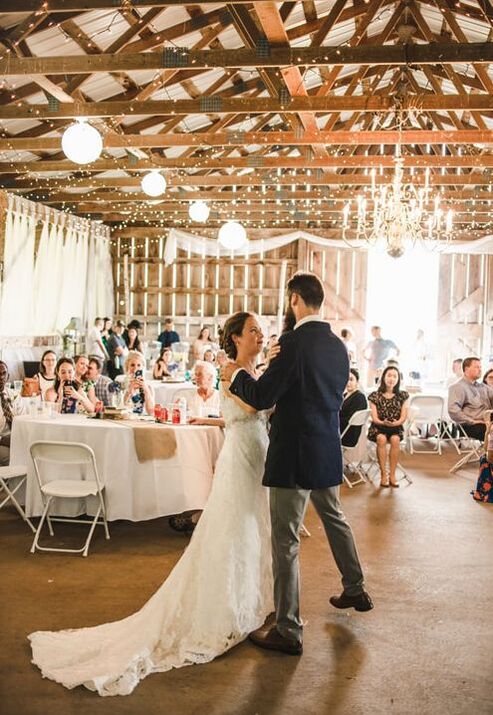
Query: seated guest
204,401
389,408
99,381
139,395
8,410
208,355
221,358
81,369
457,373
66,391
203,342
133,324
354,401
468,400
133,340
117,350
488,377
164,365
46,374
484,485
169,334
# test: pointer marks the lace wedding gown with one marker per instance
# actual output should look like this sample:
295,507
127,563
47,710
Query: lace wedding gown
218,592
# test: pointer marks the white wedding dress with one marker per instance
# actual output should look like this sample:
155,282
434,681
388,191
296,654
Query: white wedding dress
218,592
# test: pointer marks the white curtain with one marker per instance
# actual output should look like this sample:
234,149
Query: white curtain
70,278
99,285
16,309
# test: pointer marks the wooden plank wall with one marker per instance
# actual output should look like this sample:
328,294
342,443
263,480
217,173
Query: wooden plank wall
344,275
196,289
465,307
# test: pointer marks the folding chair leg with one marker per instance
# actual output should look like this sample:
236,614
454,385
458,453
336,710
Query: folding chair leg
346,480
91,532
304,531
11,497
40,526
472,456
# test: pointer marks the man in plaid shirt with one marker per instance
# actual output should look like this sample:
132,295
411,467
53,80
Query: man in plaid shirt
101,382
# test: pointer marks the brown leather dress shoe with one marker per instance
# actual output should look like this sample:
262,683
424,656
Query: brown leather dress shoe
361,602
272,640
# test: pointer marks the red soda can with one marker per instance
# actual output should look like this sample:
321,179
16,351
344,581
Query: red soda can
158,412
175,416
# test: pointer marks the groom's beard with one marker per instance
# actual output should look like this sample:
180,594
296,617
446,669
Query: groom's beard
289,320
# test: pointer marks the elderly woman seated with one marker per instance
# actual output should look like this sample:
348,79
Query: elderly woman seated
139,395
164,365
67,391
203,404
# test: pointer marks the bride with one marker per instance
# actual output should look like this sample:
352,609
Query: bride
221,588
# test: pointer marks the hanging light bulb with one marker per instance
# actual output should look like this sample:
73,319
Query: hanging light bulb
232,235
153,183
199,211
81,142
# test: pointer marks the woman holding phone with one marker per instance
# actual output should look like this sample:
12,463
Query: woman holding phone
139,395
66,391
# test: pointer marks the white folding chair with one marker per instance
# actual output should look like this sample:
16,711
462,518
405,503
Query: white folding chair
354,456
428,410
79,457
472,453
9,475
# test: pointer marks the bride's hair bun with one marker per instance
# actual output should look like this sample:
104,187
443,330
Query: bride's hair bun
233,326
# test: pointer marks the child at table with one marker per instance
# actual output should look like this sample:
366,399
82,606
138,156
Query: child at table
139,395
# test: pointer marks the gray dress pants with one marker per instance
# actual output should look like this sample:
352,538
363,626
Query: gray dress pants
287,509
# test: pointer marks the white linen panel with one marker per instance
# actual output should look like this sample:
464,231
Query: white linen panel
70,276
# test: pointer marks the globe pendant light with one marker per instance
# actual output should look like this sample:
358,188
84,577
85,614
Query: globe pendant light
199,211
81,142
153,183
232,235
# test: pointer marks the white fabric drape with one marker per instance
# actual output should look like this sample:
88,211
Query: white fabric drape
178,239
40,296
16,306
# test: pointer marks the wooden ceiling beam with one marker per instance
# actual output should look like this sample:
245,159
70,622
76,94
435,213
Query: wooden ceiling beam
478,161
247,105
432,53
267,138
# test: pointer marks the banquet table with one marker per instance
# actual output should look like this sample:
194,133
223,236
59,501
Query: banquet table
164,392
134,490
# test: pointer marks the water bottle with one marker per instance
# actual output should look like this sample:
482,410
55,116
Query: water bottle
182,406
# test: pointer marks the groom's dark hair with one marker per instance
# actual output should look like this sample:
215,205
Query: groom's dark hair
309,287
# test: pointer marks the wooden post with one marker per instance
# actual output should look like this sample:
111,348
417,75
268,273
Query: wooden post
282,290
126,287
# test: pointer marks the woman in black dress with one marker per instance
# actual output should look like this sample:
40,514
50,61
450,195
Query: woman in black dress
389,408
354,401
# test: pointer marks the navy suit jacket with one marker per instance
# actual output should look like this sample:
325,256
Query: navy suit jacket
305,382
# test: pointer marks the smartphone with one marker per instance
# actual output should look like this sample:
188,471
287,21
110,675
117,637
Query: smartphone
68,383
138,373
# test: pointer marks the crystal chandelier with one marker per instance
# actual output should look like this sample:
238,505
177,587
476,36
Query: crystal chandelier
402,215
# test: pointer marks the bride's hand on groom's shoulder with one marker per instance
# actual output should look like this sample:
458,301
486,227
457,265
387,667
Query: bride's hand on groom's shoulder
227,372
273,352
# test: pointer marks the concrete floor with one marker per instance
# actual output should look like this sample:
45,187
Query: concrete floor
427,647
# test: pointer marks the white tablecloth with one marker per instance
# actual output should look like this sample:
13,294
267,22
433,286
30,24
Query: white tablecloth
134,491
164,392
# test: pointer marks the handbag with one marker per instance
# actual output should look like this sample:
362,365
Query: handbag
30,387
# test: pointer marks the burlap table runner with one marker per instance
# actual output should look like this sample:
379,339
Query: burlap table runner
154,442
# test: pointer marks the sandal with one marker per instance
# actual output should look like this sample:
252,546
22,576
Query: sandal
181,523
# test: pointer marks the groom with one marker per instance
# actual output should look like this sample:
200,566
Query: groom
304,460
